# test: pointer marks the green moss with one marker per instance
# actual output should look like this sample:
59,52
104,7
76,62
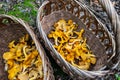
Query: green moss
26,10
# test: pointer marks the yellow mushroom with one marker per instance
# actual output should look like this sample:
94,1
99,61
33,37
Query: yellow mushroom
12,50
10,63
79,33
33,75
30,57
11,44
70,22
60,25
84,65
62,53
67,47
24,39
93,60
23,76
83,56
14,71
69,31
58,47
8,55
20,60
73,41
70,57
18,52
40,69
71,44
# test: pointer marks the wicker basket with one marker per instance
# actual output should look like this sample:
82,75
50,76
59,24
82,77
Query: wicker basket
11,29
102,45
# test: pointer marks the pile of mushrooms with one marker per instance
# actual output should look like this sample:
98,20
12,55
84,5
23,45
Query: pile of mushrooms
71,44
22,61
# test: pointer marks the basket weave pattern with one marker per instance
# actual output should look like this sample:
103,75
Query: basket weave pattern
45,15
107,8
85,16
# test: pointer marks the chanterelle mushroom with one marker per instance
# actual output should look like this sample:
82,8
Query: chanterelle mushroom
23,61
71,44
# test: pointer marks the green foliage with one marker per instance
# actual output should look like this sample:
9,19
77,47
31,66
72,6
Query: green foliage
117,77
26,10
